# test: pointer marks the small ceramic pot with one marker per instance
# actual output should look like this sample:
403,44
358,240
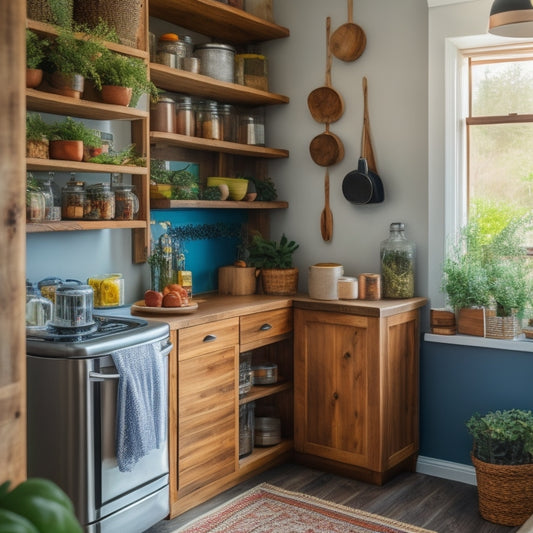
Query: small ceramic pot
34,77
112,94
66,150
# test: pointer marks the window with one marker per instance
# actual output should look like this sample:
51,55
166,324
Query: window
499,134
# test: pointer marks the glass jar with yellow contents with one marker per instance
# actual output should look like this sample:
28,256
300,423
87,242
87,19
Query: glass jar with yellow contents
108,290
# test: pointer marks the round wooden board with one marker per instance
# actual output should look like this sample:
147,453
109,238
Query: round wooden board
141,307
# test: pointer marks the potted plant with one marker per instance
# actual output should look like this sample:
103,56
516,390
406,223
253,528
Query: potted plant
172,184
502,455
123,79
275,262
37,132
35,54
70,60
68,139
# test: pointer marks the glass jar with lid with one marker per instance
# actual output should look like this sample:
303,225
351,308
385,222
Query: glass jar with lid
126,202
170,50
397,263
100,202
185,117
73,199
163,115
208,120
228,120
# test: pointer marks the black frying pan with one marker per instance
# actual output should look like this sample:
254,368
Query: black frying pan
362,186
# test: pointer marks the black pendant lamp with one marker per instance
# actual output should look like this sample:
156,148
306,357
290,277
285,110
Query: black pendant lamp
511,18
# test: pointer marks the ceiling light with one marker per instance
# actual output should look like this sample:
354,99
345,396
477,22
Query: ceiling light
511,18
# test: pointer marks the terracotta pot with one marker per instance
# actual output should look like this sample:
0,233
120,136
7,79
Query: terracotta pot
67,150
34,77
112,94
90,152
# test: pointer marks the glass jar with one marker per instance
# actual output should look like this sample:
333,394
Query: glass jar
185,117
251,71
100,202
247,129
163,115
35,205
187,41
170,50
208,120
397,264
228,120
108,290
259,125
126,202
73,199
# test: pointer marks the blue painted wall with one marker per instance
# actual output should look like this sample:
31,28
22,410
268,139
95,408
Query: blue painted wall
455,382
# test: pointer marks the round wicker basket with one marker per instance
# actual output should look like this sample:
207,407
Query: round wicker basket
505,492
280,281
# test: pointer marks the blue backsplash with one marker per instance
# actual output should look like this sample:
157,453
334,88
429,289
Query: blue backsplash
211,240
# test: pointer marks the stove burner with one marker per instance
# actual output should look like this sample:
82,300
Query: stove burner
70,332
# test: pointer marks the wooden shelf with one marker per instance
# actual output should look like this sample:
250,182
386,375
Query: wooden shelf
217,20
51,31
59,165
263,391
182,81
85,225
261,456
156,203
63,105
198,143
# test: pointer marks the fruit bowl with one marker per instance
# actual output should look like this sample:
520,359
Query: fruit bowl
237,186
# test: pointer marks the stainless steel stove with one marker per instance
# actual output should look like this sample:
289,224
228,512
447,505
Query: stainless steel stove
72,410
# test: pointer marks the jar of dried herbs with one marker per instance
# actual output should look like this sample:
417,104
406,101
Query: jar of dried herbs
100,202
397,264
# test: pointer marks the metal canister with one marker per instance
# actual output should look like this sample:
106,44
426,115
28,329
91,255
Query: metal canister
163,115
217,61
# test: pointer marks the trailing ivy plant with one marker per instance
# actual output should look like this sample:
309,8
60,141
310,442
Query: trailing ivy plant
502,437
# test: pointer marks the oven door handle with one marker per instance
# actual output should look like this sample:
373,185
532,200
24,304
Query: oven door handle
165,350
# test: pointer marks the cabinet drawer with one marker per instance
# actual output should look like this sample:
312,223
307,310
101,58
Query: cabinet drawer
262,328
207,338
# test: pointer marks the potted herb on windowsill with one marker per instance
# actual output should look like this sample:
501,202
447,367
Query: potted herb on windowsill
275,262
35,54
502,455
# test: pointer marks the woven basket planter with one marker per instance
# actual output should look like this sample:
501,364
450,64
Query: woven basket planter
503,327
280,281
505,492
122,15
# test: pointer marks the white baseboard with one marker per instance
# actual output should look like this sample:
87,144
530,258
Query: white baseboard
446,470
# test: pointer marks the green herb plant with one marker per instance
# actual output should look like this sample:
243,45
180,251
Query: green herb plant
502,437
74,130
128,156
36,128
265,188
398,273
35,50
264,253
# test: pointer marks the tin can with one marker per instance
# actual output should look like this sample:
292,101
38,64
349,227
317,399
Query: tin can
217,61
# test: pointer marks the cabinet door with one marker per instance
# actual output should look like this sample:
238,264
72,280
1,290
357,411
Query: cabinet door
334,370
208,421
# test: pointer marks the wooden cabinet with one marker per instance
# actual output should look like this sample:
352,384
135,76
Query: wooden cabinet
356,387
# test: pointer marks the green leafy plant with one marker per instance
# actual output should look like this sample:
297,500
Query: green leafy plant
35,49
101,30
74,130
265,188
124,71
128,156
502,437
36,128
264,253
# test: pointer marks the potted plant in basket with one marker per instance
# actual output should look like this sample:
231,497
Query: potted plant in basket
68,139
502,455
123,79
275,262
35,54
37,132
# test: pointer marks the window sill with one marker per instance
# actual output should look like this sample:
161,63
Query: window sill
520,344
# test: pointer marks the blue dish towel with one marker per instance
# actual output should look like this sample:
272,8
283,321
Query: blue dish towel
141,424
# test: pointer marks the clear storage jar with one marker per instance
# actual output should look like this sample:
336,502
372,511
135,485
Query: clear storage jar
100,202
185,117
170,50
163,115
73,200
208,120
251,71
397,255
228,120
126,202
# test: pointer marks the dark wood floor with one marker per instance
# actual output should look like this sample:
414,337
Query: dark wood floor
437,504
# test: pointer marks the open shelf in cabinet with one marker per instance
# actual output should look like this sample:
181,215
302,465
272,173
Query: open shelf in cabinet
263,391
214,204
199,143
264,455
181,81
84,225
217,20
58,165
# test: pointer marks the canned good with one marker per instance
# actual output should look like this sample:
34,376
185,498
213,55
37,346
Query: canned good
217,61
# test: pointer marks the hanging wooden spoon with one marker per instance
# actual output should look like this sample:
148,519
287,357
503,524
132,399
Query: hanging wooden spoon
348,41
326,217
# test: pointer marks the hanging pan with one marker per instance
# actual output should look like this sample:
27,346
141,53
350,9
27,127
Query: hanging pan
325,103
326,149
348,41
364,186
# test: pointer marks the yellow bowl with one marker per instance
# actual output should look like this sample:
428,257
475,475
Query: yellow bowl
237,186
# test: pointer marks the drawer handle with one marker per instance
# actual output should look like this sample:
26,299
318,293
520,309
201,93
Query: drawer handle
210,338
265,327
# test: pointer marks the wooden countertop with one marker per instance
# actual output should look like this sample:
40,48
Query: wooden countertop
214,307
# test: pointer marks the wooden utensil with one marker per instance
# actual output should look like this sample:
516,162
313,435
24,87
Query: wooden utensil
348,41
326,149
326,217
366,143
325,103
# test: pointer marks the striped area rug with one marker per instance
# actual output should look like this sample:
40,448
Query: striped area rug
269,509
